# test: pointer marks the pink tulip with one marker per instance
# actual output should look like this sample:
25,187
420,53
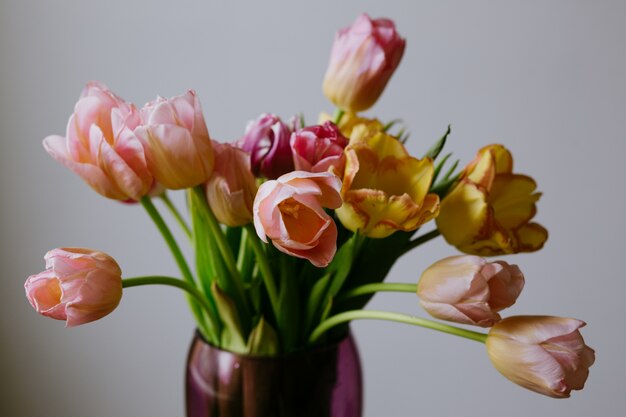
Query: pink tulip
319,149
176,141
544,354
78,286
363,58
468,289
290,211
232,187
267,141
100,145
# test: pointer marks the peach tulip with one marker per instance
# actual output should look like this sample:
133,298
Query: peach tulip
176,141
290,211
100,145
363,59
78,286
468,289
544,354
232,187
319,148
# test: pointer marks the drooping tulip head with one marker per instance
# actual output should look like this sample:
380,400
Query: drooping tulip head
544,354
363,58
176,141
489,211
78,286
100,145
467,289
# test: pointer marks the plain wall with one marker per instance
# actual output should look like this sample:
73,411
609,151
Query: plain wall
546,78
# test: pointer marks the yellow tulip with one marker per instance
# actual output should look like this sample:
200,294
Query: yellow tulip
349,121
384,188
488,211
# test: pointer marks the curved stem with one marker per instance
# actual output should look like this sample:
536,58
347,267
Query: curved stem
264,267
377,287
397,317
172,282
147,203
179,218
412,244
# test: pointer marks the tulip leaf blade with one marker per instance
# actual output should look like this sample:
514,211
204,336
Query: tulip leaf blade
437,147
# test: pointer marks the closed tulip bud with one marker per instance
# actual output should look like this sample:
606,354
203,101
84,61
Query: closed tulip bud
232,187
267,141
544,354
290,211
489,211
176,141
319,149
363,58
78,286
468,289
100,145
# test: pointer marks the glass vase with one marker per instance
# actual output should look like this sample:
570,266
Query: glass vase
322,382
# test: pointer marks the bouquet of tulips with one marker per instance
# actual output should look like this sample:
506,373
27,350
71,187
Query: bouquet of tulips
294,226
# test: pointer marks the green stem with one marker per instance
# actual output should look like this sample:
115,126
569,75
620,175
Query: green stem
388,316
147,203
172,282
377,287
338,115
264,267
225,251
179,218
412,244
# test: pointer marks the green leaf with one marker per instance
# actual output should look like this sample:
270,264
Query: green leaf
437,147
314,301
439,167
442,188
263,340
232,335
391,124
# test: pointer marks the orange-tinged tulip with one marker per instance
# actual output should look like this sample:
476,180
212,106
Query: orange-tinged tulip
290,211
467,289
78,286
176,141
544,354
384,188
349,121
488,211
232,187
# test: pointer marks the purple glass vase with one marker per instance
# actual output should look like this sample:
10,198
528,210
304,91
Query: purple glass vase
322,382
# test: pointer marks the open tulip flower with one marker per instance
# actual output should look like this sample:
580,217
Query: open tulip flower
489,211
101,147
294,227
384,188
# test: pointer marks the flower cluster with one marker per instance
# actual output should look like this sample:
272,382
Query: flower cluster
294,225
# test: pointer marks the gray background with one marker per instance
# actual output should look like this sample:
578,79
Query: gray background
546,78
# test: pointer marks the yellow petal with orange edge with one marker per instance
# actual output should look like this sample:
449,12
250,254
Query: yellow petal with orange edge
531,237
349,121
463,215
513,200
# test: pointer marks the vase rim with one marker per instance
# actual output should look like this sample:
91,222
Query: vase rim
316,349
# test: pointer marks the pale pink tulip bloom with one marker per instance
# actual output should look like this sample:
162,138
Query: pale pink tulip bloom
363,58
232,187
176,141
319,149
78,286
468,289
100,145
544,354
290,211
